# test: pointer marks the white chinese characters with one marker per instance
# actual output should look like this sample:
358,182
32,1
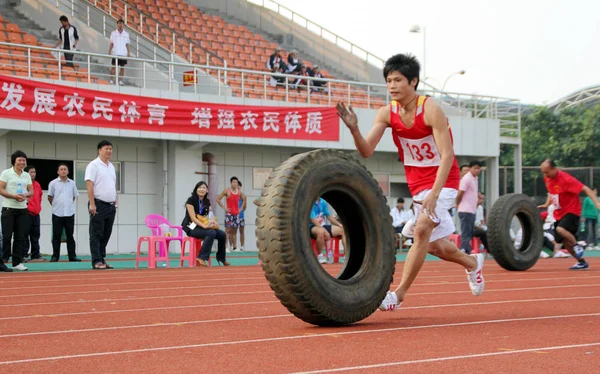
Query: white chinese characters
102,108
271,121
74,105
226,119
44,101
313,123
249,120
14,95
157,113
129,111
202,117
292,122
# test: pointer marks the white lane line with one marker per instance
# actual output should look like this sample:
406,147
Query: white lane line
36,277
427,284
286,315
256,292
296,337
138,310
450,358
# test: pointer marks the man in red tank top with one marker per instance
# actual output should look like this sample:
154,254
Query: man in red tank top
422,134
232,195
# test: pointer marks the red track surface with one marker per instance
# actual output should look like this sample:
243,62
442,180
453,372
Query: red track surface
227,320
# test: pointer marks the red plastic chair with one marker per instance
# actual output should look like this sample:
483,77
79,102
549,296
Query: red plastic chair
194,247
334,245
154,221
151,258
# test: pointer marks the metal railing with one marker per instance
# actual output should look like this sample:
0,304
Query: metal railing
37,61
160,35
321,31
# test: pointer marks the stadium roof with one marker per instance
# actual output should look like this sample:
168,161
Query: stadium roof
587,96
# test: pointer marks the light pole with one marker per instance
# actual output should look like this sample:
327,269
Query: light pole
460,72
417,30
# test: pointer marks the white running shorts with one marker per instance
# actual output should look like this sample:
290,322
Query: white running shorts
445,202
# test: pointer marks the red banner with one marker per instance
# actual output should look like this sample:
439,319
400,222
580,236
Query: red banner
44,102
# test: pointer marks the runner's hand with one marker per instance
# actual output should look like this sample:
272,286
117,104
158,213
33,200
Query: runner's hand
348,116
429,205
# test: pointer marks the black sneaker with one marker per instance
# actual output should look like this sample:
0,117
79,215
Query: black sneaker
75,259
4,268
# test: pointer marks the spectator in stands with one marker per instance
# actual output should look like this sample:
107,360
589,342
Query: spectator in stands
294,63
321,232
16,187
34,207
480,229
399,216
590,214
318,85
62,192
276,58
277,79
302,82
466,200
119,47
200,223
69,38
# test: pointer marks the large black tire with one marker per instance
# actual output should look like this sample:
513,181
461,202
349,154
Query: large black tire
282,230
501,246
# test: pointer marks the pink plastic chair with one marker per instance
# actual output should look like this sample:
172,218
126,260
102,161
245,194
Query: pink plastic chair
154,221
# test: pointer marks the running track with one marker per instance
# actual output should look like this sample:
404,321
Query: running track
227,320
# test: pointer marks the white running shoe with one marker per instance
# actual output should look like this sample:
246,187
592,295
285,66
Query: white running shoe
561,254
475,277
390,303
544,254
20,267
322,259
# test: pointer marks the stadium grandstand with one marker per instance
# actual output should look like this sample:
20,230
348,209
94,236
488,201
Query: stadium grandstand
201,54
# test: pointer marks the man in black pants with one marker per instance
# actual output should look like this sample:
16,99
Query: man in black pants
62,192
101,185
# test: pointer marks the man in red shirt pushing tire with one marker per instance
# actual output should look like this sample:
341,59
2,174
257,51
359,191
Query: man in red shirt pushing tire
563,192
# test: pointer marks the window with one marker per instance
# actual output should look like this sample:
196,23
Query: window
47,170
80,174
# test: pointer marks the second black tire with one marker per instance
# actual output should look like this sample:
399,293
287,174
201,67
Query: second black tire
502,245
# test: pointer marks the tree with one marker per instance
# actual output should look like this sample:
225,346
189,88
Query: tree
570,137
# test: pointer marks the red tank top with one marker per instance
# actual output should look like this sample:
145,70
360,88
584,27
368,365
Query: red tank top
233,202
418,151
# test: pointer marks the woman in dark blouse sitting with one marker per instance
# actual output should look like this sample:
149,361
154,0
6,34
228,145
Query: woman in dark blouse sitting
198,224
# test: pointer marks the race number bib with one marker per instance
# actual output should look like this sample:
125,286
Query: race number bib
554,200
420,152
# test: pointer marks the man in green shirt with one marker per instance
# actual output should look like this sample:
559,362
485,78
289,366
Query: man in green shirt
16,187
590,214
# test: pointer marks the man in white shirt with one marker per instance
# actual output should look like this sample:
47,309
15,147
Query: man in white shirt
399,216
101,185
119,47
62,192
